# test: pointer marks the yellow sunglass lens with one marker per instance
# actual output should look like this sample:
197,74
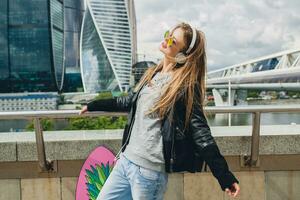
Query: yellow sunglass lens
170,41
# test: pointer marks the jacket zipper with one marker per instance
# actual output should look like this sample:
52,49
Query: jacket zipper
172,153
180,131
117,156
129,133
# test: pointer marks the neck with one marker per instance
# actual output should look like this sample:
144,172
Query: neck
167,66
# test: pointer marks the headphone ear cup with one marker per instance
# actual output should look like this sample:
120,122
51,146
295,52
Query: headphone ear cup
180,58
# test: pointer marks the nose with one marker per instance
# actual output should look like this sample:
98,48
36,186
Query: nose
167,42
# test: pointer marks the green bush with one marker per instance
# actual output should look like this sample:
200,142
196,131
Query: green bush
252,93
93,123
47,125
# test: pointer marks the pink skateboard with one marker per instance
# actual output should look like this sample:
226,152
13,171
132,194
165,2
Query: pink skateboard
94,173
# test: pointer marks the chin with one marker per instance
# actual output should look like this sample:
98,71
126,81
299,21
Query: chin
161,50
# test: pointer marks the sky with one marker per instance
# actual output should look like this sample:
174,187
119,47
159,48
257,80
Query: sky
235,30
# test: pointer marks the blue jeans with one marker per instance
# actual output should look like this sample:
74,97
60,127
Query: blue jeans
130,181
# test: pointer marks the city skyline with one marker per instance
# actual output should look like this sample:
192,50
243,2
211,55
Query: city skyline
247,36
249,28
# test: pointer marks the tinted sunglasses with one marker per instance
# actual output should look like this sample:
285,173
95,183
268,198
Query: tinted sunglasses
171,39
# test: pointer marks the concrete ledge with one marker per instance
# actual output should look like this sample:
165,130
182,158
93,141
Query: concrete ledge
280,129
65,150
8,151
268,145
71,168
60,145
76,145
268,185
276,178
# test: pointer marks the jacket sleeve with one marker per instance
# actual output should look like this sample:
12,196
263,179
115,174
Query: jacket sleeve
207,148
115,104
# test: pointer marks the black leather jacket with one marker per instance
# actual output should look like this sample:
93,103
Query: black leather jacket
183,150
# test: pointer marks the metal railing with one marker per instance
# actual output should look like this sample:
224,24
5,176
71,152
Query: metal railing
246,160
256,110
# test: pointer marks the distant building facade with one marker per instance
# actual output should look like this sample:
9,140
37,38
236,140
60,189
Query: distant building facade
28,102
108,45
73,13
32,45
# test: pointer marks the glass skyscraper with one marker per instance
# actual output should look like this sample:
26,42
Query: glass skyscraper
32,45
74,11
108,47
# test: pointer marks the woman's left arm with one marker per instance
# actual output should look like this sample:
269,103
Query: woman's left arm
208,148
120,103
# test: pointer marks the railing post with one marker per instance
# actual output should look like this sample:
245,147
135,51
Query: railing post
253,159
255,138
44,164
229,101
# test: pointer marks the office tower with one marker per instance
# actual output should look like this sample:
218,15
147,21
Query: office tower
32,45
108,45
73,12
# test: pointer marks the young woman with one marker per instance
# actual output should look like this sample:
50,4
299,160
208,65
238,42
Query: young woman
167,130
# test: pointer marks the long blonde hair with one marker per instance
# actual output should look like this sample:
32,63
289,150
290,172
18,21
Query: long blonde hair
184,77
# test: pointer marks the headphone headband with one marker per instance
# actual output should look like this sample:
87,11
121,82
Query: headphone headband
193,40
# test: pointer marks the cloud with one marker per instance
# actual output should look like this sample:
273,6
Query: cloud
236,31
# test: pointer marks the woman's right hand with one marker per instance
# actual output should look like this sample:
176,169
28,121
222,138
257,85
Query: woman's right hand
83,110
234,190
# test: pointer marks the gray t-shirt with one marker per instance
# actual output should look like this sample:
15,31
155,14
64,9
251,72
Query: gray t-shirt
145,146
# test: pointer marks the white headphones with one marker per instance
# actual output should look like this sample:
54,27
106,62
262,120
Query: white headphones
180,57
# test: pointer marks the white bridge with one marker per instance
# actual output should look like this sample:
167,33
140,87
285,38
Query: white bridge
280,71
